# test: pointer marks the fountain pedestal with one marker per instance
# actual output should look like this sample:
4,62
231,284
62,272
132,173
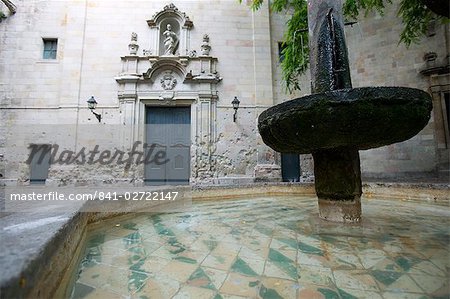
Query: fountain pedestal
338,184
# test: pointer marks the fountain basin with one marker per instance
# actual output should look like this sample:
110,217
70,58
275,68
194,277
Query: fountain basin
36,257
359,118
267,247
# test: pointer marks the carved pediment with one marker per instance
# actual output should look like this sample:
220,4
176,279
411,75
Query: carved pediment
180,66
167,64
170,11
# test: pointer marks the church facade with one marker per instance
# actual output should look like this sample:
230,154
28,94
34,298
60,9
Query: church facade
151,92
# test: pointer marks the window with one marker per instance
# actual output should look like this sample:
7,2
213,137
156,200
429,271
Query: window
50,48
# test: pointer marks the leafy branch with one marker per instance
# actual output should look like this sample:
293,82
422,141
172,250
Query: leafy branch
416,18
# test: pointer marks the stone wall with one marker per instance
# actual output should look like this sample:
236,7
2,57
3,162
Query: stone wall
377,59
93,35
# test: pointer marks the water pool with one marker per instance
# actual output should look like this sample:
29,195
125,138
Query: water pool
269,247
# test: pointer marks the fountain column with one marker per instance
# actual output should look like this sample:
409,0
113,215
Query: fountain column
337,170
337,120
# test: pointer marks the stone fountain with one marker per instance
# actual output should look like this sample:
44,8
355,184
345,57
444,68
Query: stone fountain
337,120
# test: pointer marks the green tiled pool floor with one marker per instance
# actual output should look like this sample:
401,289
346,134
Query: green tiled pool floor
271,247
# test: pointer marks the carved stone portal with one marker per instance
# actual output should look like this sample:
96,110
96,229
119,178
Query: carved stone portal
170,73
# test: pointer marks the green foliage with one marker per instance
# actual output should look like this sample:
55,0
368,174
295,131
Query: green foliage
416,18
351,8
255,4
296,50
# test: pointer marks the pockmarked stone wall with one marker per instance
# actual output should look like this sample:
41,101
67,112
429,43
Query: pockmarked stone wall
93,38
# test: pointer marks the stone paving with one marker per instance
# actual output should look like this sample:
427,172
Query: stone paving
270,247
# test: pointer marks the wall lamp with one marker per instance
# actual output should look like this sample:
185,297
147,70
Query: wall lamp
235,104
92,104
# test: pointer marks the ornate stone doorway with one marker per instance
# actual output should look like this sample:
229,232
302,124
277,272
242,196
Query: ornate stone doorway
171,75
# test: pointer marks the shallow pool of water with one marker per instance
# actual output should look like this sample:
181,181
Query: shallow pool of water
270,247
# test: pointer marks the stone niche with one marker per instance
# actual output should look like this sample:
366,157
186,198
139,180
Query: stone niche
180,25
171,73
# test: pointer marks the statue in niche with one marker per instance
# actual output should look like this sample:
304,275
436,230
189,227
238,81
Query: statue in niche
170,41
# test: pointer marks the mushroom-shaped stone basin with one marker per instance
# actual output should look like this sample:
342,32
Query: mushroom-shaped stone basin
360,118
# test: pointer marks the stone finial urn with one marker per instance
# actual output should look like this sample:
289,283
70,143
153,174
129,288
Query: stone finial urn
205,45
133,46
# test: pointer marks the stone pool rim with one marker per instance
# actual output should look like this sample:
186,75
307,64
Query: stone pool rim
41,271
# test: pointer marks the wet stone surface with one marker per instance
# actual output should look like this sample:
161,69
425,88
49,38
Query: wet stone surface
270,247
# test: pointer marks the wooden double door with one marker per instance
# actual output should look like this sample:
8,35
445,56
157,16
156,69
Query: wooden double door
168,130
